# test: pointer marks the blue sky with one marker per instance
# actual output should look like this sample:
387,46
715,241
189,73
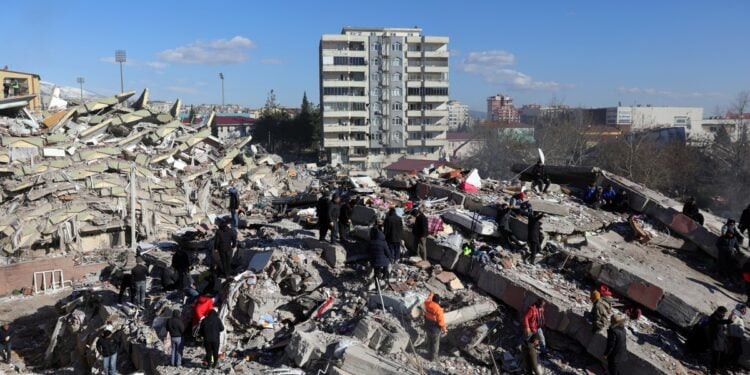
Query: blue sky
590,53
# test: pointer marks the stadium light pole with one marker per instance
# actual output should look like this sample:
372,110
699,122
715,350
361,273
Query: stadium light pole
221,76
80,81
121,57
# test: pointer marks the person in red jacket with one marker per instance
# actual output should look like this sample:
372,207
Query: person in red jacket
202,306
434,320
533,321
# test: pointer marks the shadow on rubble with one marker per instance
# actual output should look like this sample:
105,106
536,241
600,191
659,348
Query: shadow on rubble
713,288
31,335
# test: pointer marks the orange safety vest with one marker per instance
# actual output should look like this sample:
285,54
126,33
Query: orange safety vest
433,312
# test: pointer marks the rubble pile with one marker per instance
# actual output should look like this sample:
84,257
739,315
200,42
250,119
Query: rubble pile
297,304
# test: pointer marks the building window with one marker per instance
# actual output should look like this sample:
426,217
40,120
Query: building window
396,106
375,61
397,121
376,121
376,76
376,46
396,46
376,107
396,77
397,61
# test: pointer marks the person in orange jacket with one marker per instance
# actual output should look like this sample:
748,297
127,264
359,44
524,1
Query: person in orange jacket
434,320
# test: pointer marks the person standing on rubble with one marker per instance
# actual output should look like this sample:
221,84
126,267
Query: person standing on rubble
6,88
140,274
736,334
530,353
540,180
534,234
126,283
224,243
5,347
380,254
181,264
622,202
717,337
108,345
345,219
727,247
616,352
334,212
691,210
234,206
503,226
731,226
176,327
600,312
324,221
434,320
211,329
420,230
533,321
588,194
394,229
744,226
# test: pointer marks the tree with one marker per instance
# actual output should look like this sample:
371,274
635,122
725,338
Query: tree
192,114
499,151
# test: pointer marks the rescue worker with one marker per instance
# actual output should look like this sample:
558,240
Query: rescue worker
503,226
616,352
534,234
211,328
533,321
600,312
727,247
176,327
540,181
380,254
324,221
345,219
717,338
234,206
420,230
334,212
434,320
394,229
530,352
107,345
224,243
140,274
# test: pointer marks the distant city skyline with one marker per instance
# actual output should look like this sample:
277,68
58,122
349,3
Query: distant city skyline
586,53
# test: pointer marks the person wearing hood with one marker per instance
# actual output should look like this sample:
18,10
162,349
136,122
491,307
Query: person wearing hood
727,247
211,328
394,229
616,352
202,306
503,225
324,220
600,312
420,230
731,226
717,338
380,254
736,333
108,345
225,242
744,226
234,206
540,180
176,327
534,236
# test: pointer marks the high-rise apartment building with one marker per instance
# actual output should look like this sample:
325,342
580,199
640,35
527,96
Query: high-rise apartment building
458,115
383,94
500,108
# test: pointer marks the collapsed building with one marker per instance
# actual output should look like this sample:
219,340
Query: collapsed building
301,305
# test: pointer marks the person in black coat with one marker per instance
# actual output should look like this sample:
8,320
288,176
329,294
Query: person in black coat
234,206
224,243
420,230
380,253
181,264
540,181
211,329
175,327
690,209
394,229
717,337
534,234
334,213
345,219
622,202
727,247
108,344
503,226
616,352
744,226
324,221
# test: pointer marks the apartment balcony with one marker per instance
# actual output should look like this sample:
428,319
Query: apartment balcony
435,98
344,52
414,83
414,113
345,114
345,98
345,129
435,142
436,39
355,157
340,83
413,98
414,69
344,143
436,84
414,128
444,54
345,68
436,113
435,69
436,128
413,142
413,54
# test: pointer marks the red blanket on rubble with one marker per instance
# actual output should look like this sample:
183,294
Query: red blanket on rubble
467,187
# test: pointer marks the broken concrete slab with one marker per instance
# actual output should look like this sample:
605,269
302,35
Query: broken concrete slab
469,313
358,359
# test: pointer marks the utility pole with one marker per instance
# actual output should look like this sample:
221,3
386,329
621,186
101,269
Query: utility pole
80,81
121,57
133,224
221,76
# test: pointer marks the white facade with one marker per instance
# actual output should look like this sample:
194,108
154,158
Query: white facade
646,117
458,115
383,95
